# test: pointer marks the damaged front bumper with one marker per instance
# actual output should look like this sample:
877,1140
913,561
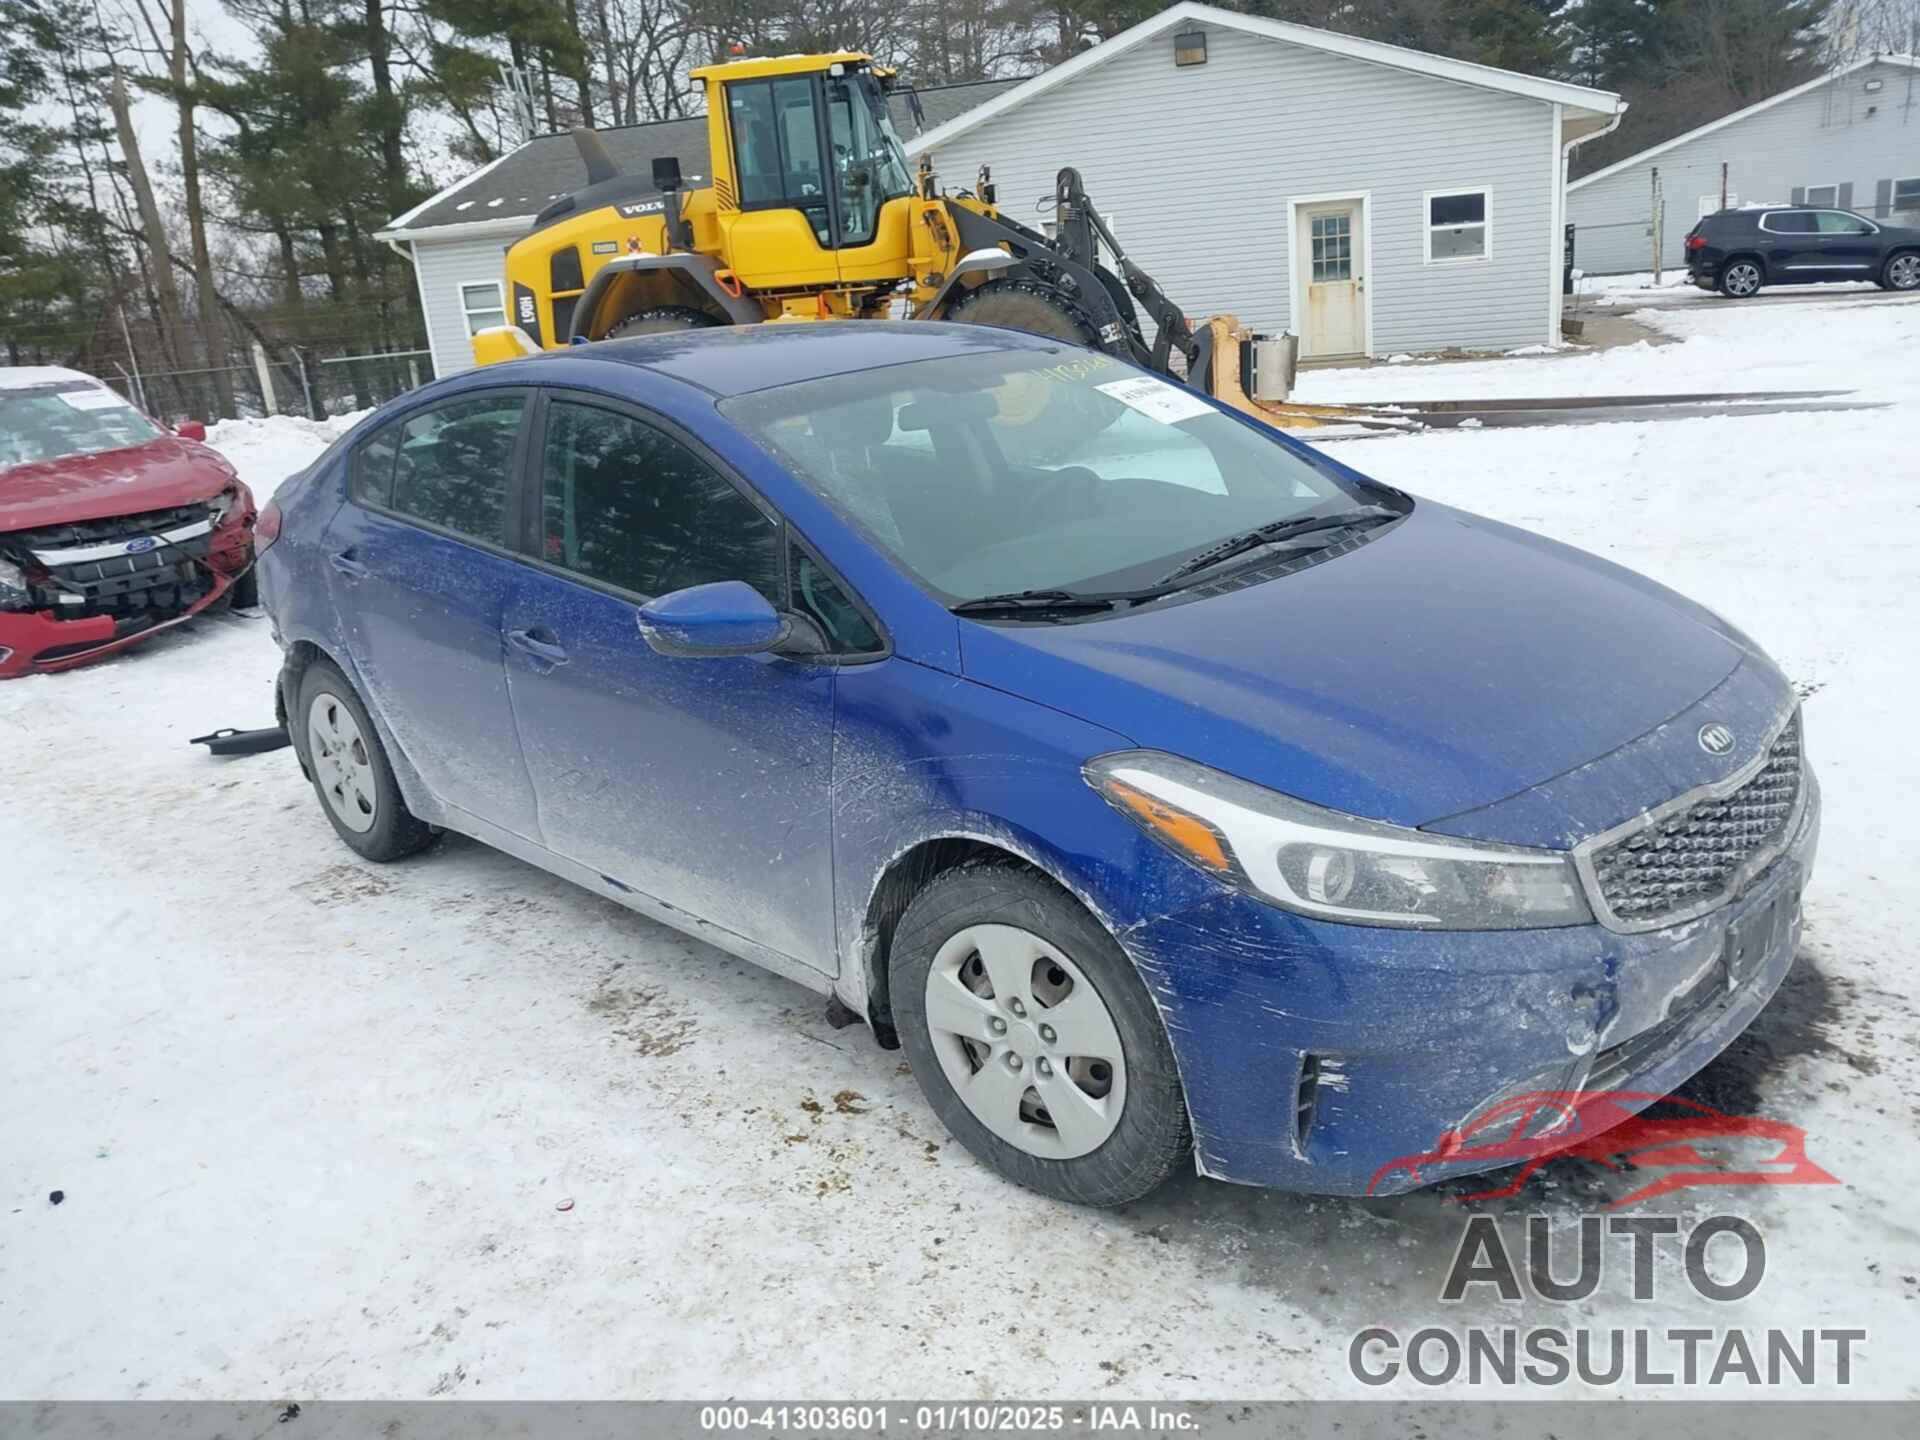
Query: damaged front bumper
1317,1055
86,608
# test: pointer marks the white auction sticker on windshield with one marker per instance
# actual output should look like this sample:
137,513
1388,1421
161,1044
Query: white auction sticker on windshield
91,399
1169,404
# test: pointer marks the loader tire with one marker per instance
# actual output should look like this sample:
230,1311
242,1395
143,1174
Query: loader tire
1015,305
660,320
1052,430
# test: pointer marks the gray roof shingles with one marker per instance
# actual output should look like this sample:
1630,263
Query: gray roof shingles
548,166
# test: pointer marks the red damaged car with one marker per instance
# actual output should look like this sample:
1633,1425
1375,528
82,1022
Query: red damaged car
111,527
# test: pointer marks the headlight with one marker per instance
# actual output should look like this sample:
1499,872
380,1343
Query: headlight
13,586
1334,866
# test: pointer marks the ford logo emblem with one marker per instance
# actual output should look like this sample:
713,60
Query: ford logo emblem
1716,739
142,545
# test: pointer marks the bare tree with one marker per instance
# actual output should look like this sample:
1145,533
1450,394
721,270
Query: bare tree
166,292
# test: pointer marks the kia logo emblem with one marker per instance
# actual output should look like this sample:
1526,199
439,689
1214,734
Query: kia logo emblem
1716,739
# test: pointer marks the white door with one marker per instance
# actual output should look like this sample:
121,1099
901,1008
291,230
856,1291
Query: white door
1331,249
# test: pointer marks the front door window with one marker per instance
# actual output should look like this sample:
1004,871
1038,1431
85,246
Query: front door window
627,504
1332,239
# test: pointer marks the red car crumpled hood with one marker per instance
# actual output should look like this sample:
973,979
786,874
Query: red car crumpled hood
155,476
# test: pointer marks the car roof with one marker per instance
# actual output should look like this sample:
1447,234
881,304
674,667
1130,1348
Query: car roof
32,377
736,359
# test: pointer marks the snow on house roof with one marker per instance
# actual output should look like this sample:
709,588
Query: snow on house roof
1908,61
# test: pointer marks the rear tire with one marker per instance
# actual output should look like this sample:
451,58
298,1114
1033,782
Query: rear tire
1740,279
964,1014
660,320
1902,271
348,765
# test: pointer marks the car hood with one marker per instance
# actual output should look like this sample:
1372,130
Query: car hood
1448,664
162,473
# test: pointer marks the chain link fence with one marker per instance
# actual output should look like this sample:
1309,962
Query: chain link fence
297,381
315,359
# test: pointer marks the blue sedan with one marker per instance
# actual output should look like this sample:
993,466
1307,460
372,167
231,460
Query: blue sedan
1168,791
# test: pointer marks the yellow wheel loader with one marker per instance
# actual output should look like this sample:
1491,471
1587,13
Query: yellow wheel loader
812,212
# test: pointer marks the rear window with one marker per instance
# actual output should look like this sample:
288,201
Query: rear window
1789,222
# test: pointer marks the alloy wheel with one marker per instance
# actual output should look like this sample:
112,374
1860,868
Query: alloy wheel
1742,278
338,753
1025,1041
1903,272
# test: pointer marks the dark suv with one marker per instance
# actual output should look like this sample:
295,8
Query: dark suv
1738,251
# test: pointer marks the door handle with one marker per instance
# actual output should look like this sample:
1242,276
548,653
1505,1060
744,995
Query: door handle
531,643
343,561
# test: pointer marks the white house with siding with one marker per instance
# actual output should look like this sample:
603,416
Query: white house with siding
1369,198
1850,139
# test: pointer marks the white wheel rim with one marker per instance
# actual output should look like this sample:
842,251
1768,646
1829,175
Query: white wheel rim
1025,1041
338,753
1905,271
1743,280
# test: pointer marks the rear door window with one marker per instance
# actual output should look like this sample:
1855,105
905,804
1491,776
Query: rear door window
1788,222
628,504
453,467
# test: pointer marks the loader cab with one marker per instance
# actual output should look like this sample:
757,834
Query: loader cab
806,163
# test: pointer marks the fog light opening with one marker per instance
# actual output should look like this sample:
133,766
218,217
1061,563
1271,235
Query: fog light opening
1306,1100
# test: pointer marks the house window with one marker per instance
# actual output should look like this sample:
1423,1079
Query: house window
1332,240
1823,194
482,305
1906,194
1458,227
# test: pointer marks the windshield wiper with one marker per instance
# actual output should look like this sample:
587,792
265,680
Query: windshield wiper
1018,601
1273,533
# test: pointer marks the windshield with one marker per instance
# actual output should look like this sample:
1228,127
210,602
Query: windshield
1007,471
50,423
867,155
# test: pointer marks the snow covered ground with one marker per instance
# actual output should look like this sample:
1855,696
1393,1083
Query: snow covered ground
315,1120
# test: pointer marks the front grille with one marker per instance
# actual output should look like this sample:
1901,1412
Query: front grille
115,529
1692,858
136,590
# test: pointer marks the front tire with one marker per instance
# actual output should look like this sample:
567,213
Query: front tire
1052,428
350,771
1741,279
660,320
1033,1038
244,593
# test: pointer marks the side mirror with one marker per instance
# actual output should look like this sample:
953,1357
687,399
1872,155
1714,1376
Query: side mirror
729,617
191,430
666,172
